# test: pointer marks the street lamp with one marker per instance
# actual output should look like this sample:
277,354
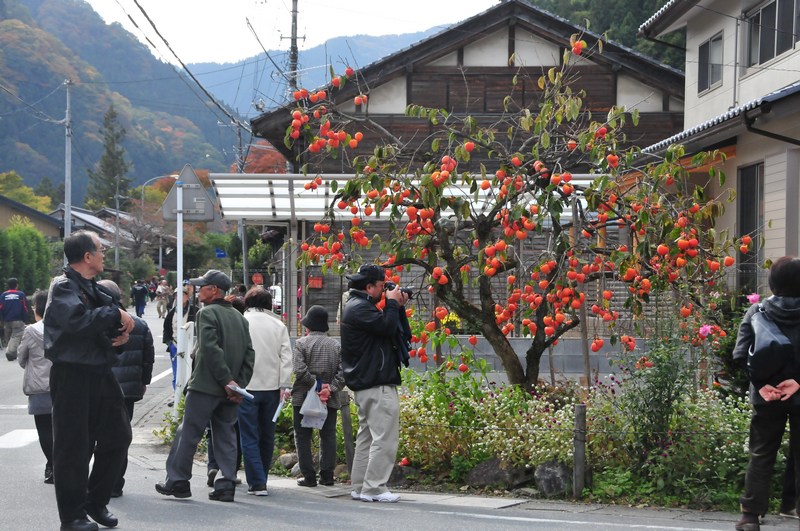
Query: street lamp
148,181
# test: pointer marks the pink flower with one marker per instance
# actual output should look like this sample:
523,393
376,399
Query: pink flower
704,331
753,298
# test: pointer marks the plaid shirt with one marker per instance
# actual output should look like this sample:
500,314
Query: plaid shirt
317,356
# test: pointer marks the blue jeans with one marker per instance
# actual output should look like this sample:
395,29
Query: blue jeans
173,357
258,434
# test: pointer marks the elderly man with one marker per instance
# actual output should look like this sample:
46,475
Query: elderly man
371,359
82,327
223,363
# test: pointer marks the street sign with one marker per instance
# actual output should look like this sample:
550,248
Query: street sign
220,253
197,205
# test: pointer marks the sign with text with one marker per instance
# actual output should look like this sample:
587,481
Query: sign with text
197,205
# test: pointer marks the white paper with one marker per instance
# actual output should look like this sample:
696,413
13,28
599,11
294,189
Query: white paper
241,391
278,411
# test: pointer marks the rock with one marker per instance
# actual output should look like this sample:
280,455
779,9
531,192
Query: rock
288,460
402,476
553,479
496,473
296,471
341,471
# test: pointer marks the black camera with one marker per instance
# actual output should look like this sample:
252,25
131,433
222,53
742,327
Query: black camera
391,285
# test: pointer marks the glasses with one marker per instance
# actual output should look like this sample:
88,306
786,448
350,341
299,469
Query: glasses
101,250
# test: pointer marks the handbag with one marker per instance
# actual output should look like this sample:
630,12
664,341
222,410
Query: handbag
771,350
313,410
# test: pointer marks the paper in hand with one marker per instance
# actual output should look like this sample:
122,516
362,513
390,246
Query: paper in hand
241,391
278,411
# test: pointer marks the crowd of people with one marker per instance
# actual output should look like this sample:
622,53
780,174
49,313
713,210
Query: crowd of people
87,361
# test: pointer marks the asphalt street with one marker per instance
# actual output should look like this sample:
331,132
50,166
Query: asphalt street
29,504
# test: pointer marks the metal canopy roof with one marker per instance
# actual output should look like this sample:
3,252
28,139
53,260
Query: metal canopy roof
274,197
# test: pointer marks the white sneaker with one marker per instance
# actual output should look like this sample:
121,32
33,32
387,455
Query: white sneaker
355,495
385,497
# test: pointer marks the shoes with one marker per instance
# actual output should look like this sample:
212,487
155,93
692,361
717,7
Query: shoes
238,480
170,403
388,497
258,490
789,513
79,524
212,475
748,522
223,495
303,482
179,489
326,482
116,493
48,474
11,358
355,495
100,514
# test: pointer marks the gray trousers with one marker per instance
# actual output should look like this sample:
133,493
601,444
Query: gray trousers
200,409
12,336
377,440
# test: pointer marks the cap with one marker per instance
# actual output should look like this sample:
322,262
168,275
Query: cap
316,319
213,277
369,272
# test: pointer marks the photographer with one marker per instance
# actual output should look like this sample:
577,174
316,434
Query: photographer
374,344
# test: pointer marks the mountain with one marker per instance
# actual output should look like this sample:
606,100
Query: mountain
169,122
168,119
256,83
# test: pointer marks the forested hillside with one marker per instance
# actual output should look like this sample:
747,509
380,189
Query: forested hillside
43,43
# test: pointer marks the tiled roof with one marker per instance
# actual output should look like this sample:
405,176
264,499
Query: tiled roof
657,15
722,118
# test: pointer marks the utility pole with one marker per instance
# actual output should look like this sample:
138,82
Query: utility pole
293,50
116,226
67,168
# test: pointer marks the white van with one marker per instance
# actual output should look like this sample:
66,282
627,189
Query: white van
277,298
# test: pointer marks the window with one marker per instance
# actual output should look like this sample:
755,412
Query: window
710,63
772,30
750,203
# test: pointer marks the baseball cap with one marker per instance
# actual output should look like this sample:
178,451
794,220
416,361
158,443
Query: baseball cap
369,272
213,277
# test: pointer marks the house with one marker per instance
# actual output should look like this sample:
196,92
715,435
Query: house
83,219
51,227
469,68
743,95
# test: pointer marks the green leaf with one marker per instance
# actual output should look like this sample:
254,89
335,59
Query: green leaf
435,144
334,186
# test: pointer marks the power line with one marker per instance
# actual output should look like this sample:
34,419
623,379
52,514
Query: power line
39,115
188,72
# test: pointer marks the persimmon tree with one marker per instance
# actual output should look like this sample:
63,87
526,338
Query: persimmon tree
502,233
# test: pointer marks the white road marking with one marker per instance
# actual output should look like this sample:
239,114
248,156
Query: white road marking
24,406
591,524
157,377
18,438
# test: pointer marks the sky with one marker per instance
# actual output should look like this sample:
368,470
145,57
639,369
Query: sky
217,31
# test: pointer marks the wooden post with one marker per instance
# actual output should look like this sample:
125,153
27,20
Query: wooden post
579,453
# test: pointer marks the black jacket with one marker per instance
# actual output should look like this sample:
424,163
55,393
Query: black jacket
134,368
79,321
785,312
168,334
371,348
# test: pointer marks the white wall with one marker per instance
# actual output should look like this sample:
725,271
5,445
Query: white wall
636,95
389,98
531,50
491,50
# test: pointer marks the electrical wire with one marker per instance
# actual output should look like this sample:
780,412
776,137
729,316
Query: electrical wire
39,115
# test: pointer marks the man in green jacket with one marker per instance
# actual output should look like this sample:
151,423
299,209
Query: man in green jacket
224,359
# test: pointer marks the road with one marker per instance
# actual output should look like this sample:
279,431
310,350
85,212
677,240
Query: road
29,504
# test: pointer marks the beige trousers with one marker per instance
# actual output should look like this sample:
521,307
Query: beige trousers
377,440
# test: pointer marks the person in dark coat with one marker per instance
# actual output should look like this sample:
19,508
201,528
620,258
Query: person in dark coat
139,296
775,398
371,359
82,328
134,369
14,314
